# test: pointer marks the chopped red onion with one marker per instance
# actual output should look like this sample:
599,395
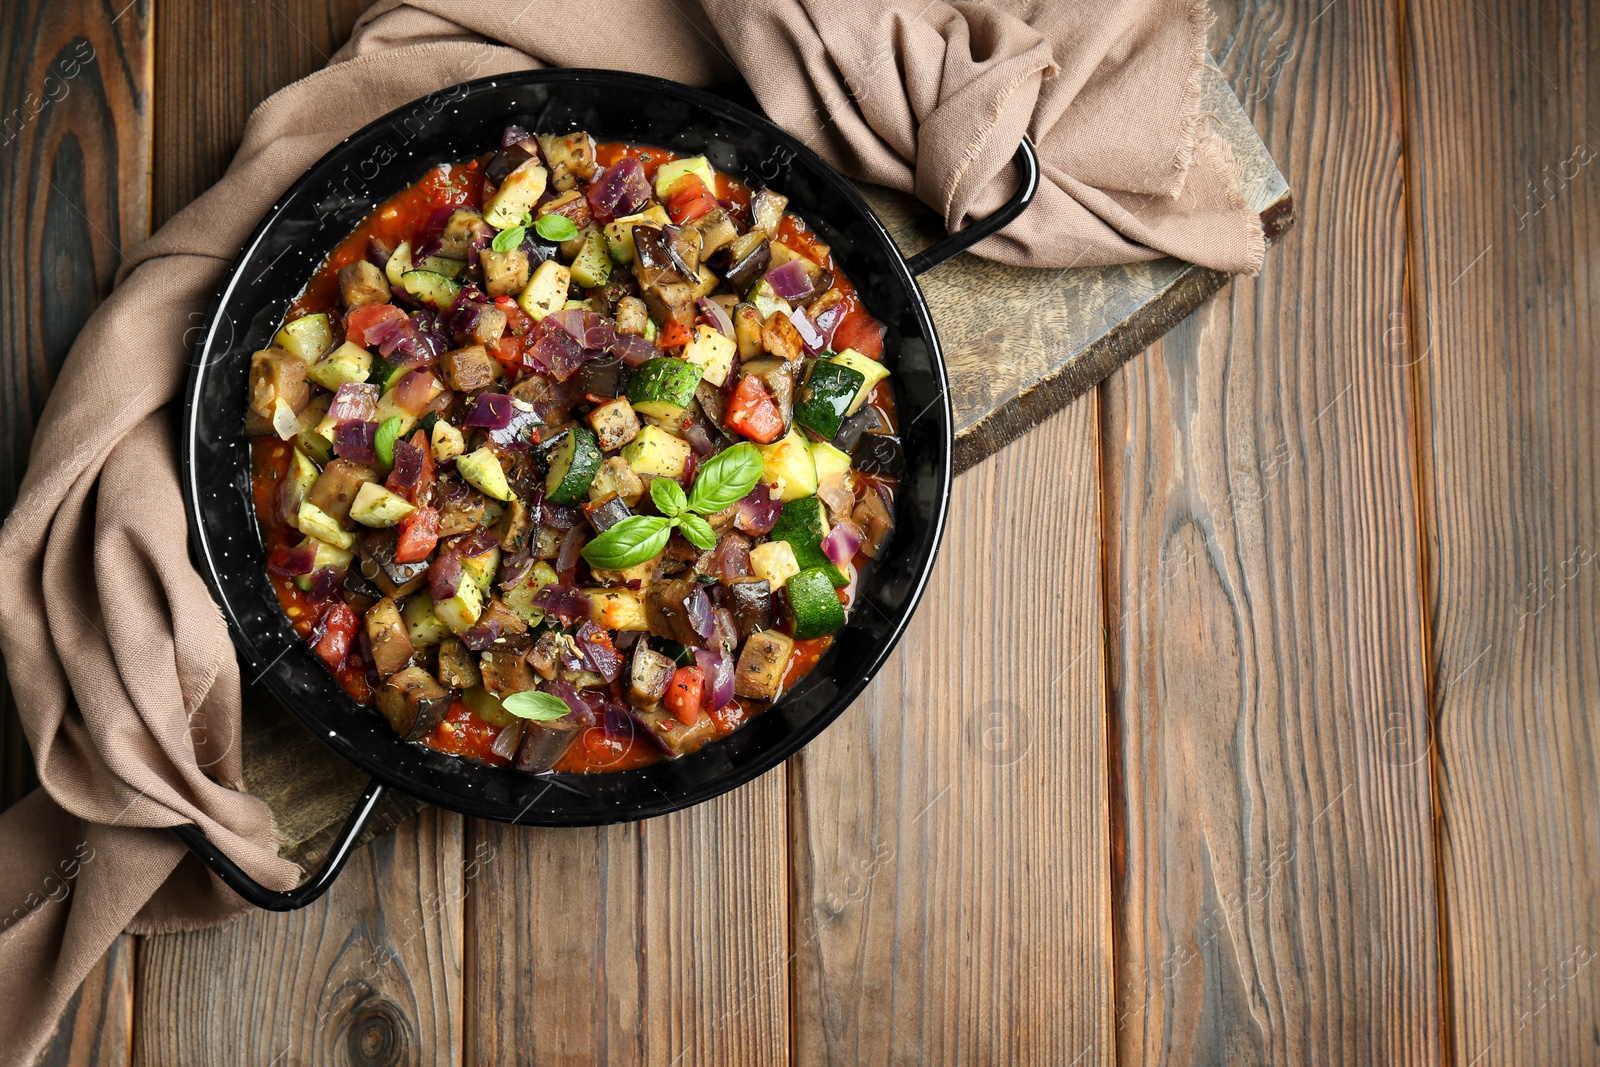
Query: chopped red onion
621,189
407,465
827,322
842,542
492,411
483,634
444,576
718,669
564,601
512,135
475,543
571,547
758,512
790,280
378,253
414,391
731,557
325,583
290,561
698,605
715,315
699,440
577,707
554,351
507,740
810,337
634,351
599,654
354,441
354,402
589,328
517,433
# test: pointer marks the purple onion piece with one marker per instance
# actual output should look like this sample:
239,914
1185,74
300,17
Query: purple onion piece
293,561
715,315
378,252
354,402
444,576
718,669
827,322
512,135
790,280
841,543
581,711
571,549
517,433
325,583
561,516
507,740
810,336
564,601
598,652
758,512
492,411
407,465
354,441
633,351
699,440
621,189
698,605
589,328
482,635
475,543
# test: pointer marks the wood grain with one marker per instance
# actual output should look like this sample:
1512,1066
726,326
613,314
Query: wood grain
74,156
215,64
661,942
371,974
1504,141
949,867
1275,893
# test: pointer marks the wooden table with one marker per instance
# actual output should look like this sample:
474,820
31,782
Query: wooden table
1248,716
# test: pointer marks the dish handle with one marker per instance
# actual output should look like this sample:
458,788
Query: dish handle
234,877
964,239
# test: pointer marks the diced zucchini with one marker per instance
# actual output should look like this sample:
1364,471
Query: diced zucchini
482,469
572,467
303,474
347,363
712,351
803,524
663,387
326,556
399,263
872,372
699,166
422,624
450,268
388,408
516,195
592,266
431,288
656,452
314,522
614,424
547,290
519,598
790,466
447,441
486,706
766,300
615,476
377,507
461,610
481,568
617,609
821,401
775,562
829,461
813,604
619,233
307,337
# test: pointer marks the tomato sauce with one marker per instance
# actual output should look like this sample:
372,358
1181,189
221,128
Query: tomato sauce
463,732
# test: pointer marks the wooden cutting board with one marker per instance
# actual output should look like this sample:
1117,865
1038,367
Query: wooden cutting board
1020,344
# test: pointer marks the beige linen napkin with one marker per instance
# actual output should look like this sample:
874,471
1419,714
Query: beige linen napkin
123,672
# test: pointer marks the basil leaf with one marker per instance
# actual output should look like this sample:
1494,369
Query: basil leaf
668,496
540,707
698,532
726,478
506,240
383,441
633,540
553,227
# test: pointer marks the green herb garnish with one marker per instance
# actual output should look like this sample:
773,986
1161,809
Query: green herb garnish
537,706
726,479
383,441
553,227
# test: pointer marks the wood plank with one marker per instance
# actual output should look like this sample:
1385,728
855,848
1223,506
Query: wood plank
74,155
1038,339
950,884
369,974
1275,894
657,942
1503,136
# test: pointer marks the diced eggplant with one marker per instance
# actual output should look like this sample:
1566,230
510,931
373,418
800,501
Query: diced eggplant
761,665
648,676
534,389
780,337
505,672
750,600
490,328
469,369
377,565
571,158
386,633
362,283
878,453
606,512
716,231
414,703
336,487
504,273
766,211
276,375
748,257
632,316
865,420
872,515
652,261
671,734
672,301
509,159
617,476
514,527
458,668
614,424
712,402
545,656
667,611
547,542
543,743
683,248
778,377
456,238
601,377
462,508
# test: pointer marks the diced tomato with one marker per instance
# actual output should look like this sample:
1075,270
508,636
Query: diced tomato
509,351
418,534
684,694
358,321
688,199
673,334
861,332
753,412
517,320
335,633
